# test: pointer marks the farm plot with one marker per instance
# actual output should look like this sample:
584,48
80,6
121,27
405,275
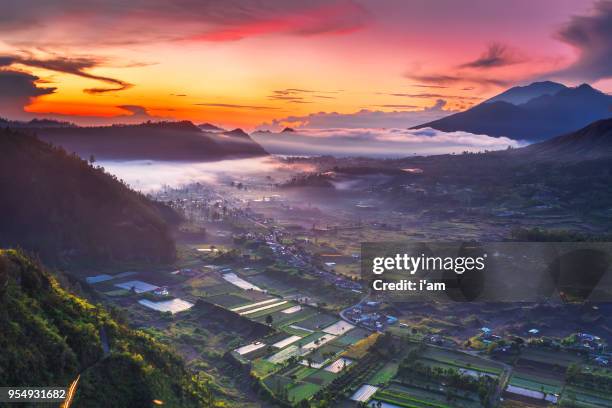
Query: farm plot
302,391
250,348
292,310
339,365
228,301
338,328
317,321
315,344
270,284
321,377
261,313
173,306
588,398
353,336
241,283
253,305
98,278
285,342
285,354
462,360
536,382
137,286
430,395
385,374
364,393
550,357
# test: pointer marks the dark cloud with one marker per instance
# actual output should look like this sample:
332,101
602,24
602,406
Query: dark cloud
18,89
430,86
591,36
233,106
433,95
496,55
75,66
449,79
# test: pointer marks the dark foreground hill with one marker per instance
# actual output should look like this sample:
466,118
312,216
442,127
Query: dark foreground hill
171,141
49,336
537,119
591,142
60,207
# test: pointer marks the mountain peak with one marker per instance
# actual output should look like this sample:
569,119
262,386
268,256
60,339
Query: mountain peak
521,94
210,127
288,129
237,133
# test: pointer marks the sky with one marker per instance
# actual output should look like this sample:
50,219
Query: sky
273,63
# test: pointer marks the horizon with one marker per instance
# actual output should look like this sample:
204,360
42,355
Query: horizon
290,64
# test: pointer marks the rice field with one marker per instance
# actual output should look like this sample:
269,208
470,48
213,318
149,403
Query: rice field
241,283
292,310
284,343
317,321
98,278
285,354
173,306
253,305
364,393
339,328
264,311
315,344
338,365
137,286
250,347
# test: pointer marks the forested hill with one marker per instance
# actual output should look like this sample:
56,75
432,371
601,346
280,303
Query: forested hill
49,336
61,208
171,141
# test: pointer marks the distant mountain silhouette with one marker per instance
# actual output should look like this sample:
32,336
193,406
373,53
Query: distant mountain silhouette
208,127
237,133
540,118
153,141
288,129
35,123
521,94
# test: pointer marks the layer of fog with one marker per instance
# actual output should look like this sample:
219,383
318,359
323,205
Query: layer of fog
151,175
390,142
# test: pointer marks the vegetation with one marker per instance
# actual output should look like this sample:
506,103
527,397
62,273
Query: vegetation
67,211
49,336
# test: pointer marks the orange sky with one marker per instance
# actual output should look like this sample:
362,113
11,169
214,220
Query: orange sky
238,64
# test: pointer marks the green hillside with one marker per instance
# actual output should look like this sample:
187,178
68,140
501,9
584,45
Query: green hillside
62,208
48,336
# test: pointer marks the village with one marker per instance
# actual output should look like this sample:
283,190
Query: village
293,313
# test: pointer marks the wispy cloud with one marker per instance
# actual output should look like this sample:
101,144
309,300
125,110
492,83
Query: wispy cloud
451,79
75,66
496,55
236,106
299,95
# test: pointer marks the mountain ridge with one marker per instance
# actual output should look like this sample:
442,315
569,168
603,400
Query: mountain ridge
540,118
67,211
171,141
